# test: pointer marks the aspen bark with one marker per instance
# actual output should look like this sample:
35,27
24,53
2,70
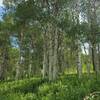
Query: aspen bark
79,64
45,58
19,71
51,60
55,66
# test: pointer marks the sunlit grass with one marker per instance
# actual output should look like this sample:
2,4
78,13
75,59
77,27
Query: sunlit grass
66,87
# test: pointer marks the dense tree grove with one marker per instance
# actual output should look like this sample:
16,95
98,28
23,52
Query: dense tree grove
50,50
47,38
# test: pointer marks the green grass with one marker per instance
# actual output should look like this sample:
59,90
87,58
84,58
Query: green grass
67,87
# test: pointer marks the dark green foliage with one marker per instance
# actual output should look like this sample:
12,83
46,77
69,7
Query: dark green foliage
65,88
50,35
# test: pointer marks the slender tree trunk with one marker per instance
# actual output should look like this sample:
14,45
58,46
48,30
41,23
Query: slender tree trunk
19,68
45,55
61,46
45,61
51,60
88,67
32,52
95,60
79,64
17,71
4,65
99,55
55,66
30,70
88,63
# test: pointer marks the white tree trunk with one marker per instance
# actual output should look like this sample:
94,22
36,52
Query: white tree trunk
50,51
79,64
50,61
17,71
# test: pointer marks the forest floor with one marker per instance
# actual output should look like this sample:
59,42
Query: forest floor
67,87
